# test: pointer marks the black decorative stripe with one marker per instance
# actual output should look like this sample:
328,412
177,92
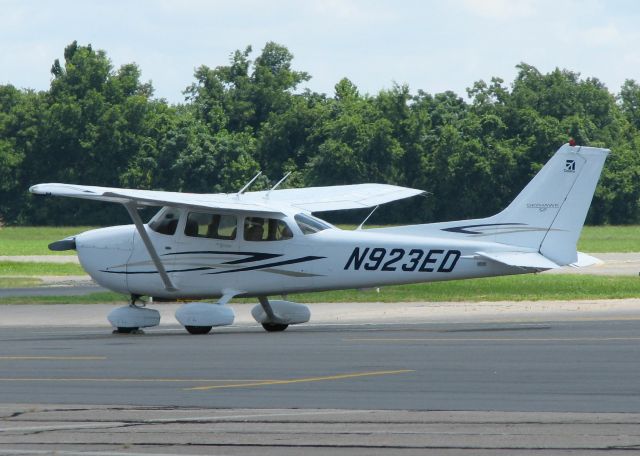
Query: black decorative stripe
270,265
155,272
254,257
465,229
251,256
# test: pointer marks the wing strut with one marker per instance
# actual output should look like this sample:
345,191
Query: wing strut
133,213
367,218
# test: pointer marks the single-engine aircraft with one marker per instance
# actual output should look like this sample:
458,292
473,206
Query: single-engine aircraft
266,243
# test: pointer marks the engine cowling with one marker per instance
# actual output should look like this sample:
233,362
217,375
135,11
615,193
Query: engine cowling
133,317
287,312
204,314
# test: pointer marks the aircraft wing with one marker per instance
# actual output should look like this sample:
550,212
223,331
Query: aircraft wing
155,198
311,199
339,197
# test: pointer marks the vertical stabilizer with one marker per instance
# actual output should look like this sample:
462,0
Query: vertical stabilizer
549,213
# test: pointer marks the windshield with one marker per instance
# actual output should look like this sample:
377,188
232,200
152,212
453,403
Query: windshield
309,224
166,221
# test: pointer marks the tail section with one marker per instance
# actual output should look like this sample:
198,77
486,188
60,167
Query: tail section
549,213
546,218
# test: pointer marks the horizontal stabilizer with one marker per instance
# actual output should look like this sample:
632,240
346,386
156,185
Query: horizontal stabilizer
532,260
585,260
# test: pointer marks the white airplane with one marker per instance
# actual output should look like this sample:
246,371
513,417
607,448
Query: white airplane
266,243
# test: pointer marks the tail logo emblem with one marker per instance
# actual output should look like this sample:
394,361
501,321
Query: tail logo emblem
570,166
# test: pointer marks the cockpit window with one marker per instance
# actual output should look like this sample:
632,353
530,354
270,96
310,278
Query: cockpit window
310,225
266,229
214,226
166,221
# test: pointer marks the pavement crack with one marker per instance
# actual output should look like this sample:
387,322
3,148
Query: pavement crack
580,449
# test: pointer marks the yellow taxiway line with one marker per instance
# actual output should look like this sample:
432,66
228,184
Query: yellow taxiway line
52,358
300,380
226,383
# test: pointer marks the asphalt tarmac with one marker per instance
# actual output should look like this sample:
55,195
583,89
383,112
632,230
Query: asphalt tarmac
577,366
508,387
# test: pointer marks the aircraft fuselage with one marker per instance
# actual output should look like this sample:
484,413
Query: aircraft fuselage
330,259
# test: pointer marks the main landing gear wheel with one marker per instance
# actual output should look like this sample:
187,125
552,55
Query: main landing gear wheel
274,327
198,329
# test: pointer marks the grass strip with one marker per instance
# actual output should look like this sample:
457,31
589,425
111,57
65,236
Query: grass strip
17,282
16,268
531,287
91,298
593,239
596,239
33,240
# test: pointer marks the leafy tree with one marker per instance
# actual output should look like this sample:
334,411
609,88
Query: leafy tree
630,99
244,94
93,123
100,125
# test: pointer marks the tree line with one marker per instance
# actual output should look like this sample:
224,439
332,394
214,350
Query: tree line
98,125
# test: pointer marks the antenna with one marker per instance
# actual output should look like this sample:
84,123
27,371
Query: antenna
365,220
275,186
248,184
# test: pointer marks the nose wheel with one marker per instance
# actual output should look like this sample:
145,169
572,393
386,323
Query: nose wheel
129,319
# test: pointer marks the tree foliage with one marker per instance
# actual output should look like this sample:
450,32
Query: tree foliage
101,125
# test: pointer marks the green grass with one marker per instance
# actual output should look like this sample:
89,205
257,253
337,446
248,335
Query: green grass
17,282
33,240
594,239
622,238
530,287
513,288
15,268
92,298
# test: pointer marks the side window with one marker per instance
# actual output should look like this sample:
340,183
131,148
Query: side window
166,221
213,226
266,229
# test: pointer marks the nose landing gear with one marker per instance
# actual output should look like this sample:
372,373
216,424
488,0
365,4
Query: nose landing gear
129,319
